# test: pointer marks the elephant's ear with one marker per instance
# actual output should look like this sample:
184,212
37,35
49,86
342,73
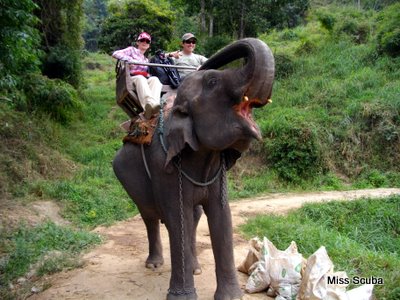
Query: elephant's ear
180,132
231,156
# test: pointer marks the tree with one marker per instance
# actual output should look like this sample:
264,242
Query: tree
95,13
240,18
19,42
282,14
128,19
61,24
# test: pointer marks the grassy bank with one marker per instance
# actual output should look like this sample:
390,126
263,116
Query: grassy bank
32,252
335,118
361,237
69,164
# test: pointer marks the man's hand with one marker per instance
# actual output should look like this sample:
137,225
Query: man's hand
175,54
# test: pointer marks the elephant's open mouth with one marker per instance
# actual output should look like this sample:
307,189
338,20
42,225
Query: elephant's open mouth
244,110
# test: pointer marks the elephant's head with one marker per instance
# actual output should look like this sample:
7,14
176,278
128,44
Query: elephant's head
213,108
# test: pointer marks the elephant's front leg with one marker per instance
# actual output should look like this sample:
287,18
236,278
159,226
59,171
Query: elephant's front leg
220,225
197,212
179,225
155,258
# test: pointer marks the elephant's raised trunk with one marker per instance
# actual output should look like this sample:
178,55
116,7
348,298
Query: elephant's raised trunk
255,79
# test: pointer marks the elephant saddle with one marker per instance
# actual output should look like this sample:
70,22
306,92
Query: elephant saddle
141,131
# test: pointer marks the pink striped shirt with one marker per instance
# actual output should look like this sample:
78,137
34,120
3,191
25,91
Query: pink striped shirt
132,54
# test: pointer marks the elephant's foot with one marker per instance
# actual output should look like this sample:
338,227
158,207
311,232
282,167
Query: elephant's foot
192,296
197,268
229,292
154,262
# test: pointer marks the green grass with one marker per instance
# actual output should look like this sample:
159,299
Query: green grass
26,246
268,181
343,93
93,196
70,164
362,237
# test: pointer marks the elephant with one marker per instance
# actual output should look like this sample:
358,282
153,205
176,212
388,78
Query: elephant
208,127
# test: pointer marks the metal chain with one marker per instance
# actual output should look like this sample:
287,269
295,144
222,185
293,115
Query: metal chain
161,117
161,135
178,164
223,181
183,290
182,220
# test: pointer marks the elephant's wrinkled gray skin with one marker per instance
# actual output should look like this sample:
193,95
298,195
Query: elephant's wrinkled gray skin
211,115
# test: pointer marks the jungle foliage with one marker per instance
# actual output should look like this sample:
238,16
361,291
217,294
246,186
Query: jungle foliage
40,61
95,13
61,26
19,41
335,118
128,19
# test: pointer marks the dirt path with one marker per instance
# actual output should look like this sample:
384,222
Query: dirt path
115,269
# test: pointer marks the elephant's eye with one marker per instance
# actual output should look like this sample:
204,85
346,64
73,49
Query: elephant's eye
212,82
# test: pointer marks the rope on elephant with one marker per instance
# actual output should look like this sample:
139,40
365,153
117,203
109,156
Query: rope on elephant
145,161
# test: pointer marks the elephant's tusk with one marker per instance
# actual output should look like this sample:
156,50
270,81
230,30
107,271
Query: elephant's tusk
245,98
269,100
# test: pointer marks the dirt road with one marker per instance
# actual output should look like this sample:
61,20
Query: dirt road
115,269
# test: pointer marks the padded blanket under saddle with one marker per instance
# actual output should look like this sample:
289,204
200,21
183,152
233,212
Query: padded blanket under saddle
141,131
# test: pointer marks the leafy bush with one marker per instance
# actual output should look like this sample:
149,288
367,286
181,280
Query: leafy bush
372,179
63,63
326,19
213,44
306,47
388,33
357,30
19,40
291,146
288,34
380,119
53,97
345,20
354,24
284,65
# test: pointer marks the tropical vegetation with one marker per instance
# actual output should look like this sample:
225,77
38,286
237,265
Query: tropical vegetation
334,122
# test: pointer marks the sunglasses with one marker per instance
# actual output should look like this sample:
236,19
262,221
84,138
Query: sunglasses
190,42
144,41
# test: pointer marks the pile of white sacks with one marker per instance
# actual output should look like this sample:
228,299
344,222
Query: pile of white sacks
286,275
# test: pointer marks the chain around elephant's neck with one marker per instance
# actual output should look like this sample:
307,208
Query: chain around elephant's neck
195,182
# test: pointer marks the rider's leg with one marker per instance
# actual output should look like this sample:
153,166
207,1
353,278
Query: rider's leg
143,91
155,88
